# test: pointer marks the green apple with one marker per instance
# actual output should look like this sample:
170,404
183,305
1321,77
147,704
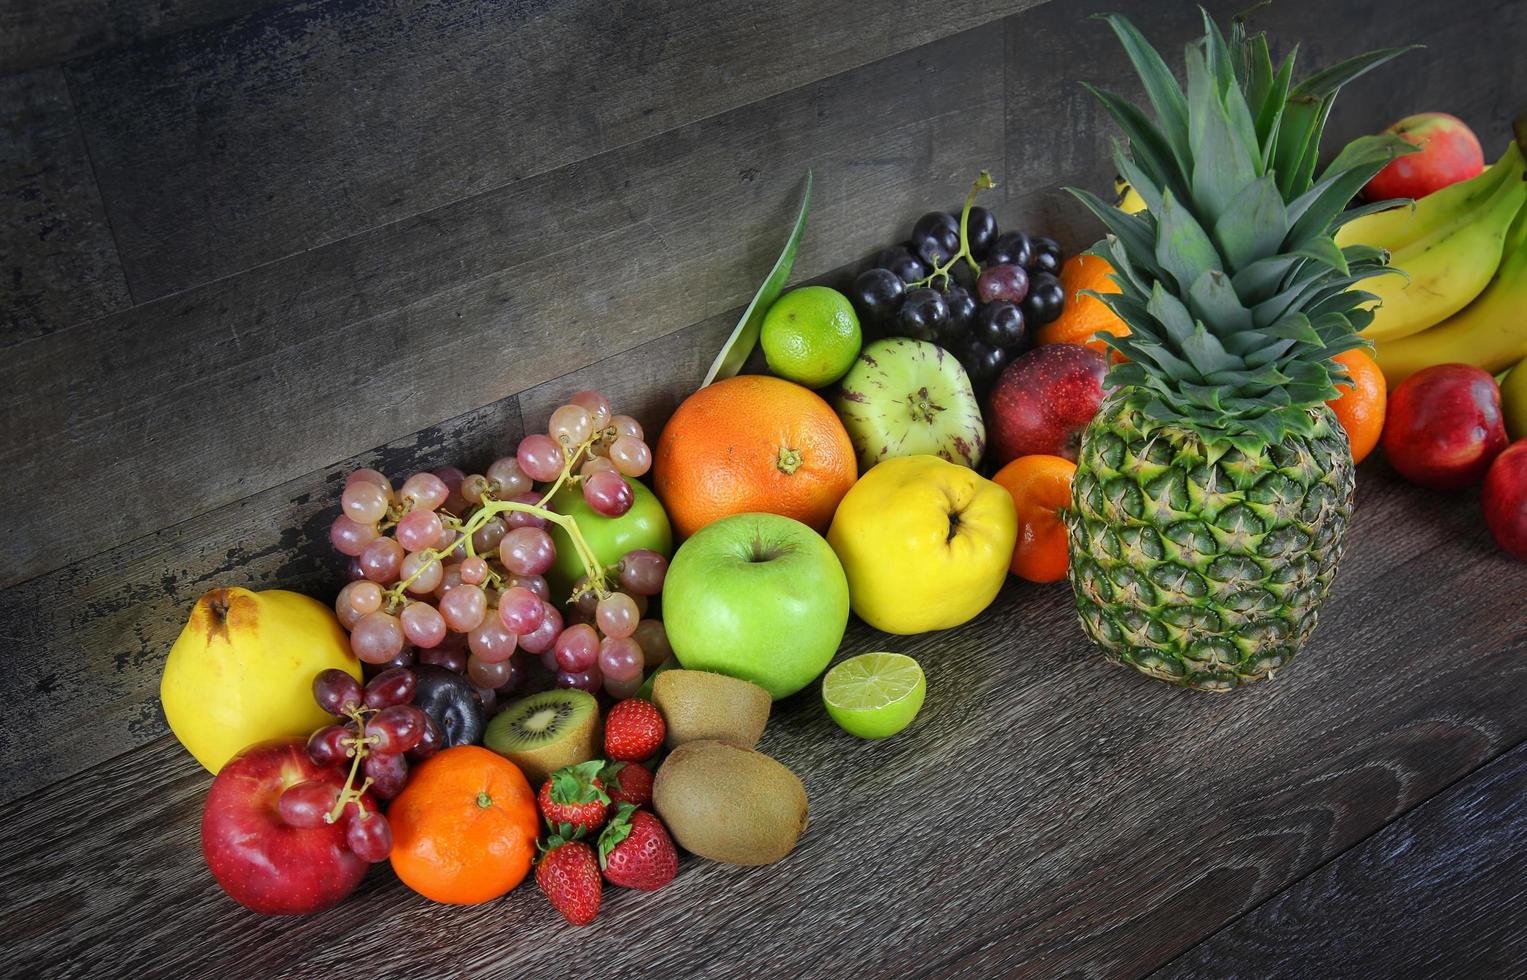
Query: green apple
908,397
756,596
645,525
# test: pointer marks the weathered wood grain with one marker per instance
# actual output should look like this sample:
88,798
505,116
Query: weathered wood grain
1438,893
197,400
36,33
85,645
87,642
305,123
1051,50
1046,814
58,263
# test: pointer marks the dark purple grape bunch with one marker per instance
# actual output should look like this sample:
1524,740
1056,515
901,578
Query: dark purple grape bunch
966,286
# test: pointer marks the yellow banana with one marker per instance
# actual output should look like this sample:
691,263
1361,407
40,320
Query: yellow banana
1397,227
1449,267
1125,197
1489,333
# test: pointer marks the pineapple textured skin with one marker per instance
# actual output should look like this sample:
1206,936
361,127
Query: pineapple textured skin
1204,565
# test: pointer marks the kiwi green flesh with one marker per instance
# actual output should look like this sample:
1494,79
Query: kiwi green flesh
544,732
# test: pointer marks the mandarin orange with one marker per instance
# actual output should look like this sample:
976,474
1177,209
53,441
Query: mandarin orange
1041,488
1084,316
752,443
464,828
1360,409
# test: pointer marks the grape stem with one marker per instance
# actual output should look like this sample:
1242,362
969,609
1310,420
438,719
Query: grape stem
349,793
491,508
982,182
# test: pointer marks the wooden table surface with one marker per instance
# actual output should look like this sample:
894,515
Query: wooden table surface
1046,814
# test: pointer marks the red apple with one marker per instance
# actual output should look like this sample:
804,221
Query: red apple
1443,426
1505,499
263,862
1044,400
1449,153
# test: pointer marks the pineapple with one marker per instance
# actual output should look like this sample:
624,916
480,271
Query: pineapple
1214,487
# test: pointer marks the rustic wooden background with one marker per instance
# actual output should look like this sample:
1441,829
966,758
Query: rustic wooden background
248,245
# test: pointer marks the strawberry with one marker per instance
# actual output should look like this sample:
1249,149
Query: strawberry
633,731
569,875
636,851
574,801
628,782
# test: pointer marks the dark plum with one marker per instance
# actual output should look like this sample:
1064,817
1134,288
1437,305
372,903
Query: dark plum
876,295
924,314
451,700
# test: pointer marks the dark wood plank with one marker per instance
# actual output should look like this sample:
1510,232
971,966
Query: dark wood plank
223,148
58,263
36,33
1053,49
1046,814
197,400
88,642
1439,893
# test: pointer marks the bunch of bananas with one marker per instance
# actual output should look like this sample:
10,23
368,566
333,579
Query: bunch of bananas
1463,298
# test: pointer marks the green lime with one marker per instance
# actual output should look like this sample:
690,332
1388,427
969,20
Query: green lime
811,336
874,695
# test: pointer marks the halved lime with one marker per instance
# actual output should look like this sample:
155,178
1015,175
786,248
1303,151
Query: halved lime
874,695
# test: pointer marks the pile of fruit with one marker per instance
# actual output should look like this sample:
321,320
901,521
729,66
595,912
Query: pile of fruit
523,672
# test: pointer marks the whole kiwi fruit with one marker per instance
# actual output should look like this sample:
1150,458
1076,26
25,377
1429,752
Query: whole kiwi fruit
729,804
697,704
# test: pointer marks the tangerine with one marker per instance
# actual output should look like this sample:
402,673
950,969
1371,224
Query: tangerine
1360,409
1084,316
464,828
1041,488
753,443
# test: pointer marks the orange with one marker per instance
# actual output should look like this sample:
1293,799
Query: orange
1041,489
1084,316
1360,409
751,444
464,828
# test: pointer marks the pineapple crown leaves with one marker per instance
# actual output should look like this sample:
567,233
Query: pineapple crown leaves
1234,290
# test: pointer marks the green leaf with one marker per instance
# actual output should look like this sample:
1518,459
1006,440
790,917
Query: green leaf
1222,164
1295,131
1254,224
1326,83
1160,86
1323,249
1131,230
617,830
734,353
1314,210
1145,186
1213,301
1296,327
1147,146
1204,351
1305,170
1270,111
1182,248
1260,280
1170,312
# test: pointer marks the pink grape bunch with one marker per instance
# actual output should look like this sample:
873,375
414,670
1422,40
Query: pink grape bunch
450,568
379,730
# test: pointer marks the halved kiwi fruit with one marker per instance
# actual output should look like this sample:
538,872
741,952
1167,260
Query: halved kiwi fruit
546,731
